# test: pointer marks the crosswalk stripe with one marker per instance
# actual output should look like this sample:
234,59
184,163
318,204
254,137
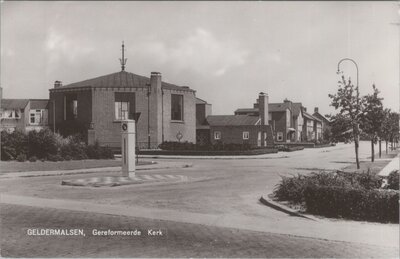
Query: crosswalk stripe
147,177
158,176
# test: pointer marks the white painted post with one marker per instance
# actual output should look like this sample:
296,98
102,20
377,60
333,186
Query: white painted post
128,147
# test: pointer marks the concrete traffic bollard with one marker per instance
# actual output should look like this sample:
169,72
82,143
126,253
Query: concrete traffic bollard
128,134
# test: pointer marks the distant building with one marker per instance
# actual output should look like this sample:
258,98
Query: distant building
203,110
312,127
285,118
237,129
24,114
325,123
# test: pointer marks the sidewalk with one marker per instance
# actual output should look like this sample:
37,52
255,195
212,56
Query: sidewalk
386,235
155,166
263,156
393,165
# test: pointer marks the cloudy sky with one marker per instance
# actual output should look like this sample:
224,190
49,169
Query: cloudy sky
227,51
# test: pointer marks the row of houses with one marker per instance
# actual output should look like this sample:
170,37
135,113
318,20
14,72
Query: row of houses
163,112
262,125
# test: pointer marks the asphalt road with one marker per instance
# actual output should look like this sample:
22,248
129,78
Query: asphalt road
215,186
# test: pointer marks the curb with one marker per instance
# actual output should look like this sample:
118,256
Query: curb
81,171
272,204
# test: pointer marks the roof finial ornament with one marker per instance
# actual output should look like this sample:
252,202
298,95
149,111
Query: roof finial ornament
123,59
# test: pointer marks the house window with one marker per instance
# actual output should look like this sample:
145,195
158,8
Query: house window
35,117
279,136
12,114
217,134
121,110
177,107
124,104
246,135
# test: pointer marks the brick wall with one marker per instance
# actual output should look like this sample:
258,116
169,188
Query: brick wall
234,134
97,105
84,109
187,127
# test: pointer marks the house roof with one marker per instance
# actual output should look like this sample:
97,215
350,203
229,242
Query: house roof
249,110
309,116
39,103
321,117
14,103
200,101
121,79
278,107
231,120
296,109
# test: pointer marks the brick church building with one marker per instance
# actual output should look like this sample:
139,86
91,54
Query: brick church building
95,107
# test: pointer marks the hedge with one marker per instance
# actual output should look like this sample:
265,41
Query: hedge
220,146
393,180
45,145
292,188
351,203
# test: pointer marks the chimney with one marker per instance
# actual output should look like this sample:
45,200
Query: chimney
263,107
288,102
155,82
316,110
57,84
305,109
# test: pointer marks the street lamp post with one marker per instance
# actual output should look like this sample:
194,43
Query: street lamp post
357,137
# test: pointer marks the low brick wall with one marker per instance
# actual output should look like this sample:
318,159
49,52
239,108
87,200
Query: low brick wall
208,153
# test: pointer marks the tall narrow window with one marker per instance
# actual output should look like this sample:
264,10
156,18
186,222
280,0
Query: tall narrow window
246,135
177,107
124,105
217,135
121,110
71,107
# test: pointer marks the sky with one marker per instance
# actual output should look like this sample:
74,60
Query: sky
227,51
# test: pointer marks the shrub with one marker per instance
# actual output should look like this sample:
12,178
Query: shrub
54,158
393,180
106,153
292,188
359,204
21,158
42,143
367,180
98,152
73,148
33,159
13,144
67,158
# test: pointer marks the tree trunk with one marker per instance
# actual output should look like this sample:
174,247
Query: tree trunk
372,151
386,147
380,148
356,149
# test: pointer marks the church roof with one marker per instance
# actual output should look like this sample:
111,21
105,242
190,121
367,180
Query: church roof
121,79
